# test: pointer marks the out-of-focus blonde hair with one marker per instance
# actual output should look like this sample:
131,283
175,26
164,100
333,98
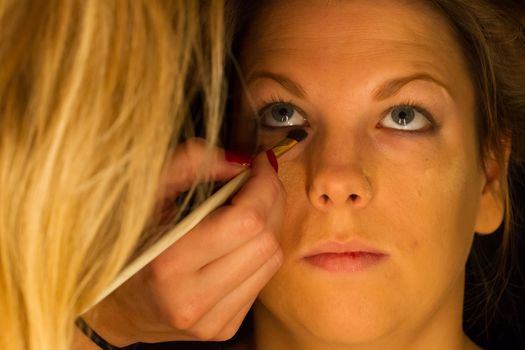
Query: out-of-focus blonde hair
93,96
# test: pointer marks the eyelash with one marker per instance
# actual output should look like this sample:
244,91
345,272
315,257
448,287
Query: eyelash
417,106
274,99
265,103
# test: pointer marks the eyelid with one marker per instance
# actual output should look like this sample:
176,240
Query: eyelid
275,101
265,120
434,125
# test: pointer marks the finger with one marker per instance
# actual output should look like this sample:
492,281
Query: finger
233,325
220,233
227,273
226,309
202,293
264,189
259,207
193,162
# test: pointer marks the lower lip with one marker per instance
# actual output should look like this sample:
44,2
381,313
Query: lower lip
345,262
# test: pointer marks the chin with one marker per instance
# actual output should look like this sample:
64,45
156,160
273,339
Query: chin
331,314
346,329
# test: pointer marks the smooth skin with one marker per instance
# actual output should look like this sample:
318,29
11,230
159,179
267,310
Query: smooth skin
203,285
418,193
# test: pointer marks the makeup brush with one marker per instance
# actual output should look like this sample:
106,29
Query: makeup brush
196,216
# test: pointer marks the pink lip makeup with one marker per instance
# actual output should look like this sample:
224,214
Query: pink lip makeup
344,257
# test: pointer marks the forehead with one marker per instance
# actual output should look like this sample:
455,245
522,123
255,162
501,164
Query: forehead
327,23
348,33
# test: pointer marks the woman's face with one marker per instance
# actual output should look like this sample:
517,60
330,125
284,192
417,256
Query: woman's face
386,192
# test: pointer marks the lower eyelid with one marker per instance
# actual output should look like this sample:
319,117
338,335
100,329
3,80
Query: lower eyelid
261,116
416,106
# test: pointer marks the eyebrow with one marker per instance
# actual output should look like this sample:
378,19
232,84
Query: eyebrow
289,85
382,92
391,87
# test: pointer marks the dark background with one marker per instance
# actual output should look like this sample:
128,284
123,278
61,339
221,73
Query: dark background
500,322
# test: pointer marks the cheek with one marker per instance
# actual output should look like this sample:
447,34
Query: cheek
293,176
432,187
432,217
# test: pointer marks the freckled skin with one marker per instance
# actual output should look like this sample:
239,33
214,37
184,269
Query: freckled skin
419,197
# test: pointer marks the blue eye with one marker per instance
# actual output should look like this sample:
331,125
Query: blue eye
281,114
406,118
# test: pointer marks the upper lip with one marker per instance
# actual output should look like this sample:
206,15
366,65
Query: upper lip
336,247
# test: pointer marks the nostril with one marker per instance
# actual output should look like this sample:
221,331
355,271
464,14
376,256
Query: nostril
353,197
325,199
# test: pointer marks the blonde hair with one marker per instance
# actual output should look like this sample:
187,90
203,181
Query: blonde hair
93,96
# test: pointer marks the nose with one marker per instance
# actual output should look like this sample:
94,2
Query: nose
338,180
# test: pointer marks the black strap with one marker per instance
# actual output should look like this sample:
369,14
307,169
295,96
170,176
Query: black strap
95,338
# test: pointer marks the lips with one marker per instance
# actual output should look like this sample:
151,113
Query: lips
344,257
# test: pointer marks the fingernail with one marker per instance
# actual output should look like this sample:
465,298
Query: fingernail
238,158
273,160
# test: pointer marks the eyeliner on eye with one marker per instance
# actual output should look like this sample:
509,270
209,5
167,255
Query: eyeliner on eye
281,114
408,118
